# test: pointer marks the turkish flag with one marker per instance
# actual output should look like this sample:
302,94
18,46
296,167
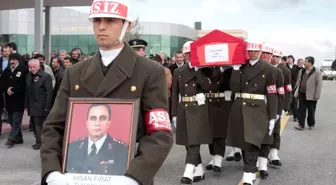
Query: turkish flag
218,49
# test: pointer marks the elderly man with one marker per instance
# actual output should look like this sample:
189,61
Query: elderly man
39,98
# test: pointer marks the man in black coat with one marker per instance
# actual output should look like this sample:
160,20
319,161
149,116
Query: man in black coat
98,153
39,98
14,82
294,74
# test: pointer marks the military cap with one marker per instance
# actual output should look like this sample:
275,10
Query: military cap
137,43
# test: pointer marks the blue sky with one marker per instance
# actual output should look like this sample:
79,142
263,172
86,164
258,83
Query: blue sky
299,27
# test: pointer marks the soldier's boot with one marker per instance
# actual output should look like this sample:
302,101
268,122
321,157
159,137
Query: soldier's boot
248,178
217,163
263,167
237,154
199,173
188,174
231,157
274,158
210,165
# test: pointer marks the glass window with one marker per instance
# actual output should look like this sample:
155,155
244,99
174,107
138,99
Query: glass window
54,40
30,49
63,40
73,41
30,40
22,40
85,50
155,50
22,49
54,48
83,41
155,40
174,41
92,49
4,39
165,41
66,48
13,38
92,40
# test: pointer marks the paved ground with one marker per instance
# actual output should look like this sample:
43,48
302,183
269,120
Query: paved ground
308,156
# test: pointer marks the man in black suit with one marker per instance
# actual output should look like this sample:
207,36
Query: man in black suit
4,63
294,74
98,153
39,98
178,63
13,85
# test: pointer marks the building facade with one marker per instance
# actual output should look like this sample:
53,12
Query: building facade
72,29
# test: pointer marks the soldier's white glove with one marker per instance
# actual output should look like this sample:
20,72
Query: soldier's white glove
271,126
123,180
236,66
174,121
56,178
277,117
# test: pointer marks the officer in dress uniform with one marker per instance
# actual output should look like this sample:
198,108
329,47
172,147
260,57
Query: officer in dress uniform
274,158
116,71
139,46
191,116
266,55
219,100
98,153
254,84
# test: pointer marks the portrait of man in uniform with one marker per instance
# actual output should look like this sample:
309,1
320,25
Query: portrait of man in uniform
99,152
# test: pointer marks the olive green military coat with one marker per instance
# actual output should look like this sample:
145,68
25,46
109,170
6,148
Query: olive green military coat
193,126
219,108
249,119
86,79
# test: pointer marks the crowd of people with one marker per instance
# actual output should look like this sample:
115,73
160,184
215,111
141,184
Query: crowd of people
240,106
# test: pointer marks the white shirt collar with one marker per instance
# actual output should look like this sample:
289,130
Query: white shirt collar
291,65
275,65
98,144
109,56
253,62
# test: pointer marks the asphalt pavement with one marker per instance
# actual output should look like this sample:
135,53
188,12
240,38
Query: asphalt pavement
308,156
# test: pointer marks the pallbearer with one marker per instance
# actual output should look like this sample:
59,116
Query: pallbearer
219,99
191,115
266,55
254,109
274,158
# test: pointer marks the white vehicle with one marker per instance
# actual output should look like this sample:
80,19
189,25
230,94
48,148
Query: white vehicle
327,72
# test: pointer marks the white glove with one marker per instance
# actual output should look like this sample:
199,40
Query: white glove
271,126
174,121
123,180
200,97
56,178
277,117
236,67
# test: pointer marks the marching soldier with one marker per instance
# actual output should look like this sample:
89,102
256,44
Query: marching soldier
254,84
116,71
266,55
274,158
219,100
139,46
191,115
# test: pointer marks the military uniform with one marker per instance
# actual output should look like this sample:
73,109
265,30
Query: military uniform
193,127
269,139
219,99
255,104
285,105
128,77
111,159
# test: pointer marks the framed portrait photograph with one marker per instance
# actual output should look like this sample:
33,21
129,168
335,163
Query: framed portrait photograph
99,140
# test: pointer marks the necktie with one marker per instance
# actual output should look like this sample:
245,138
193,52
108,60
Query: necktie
93,150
